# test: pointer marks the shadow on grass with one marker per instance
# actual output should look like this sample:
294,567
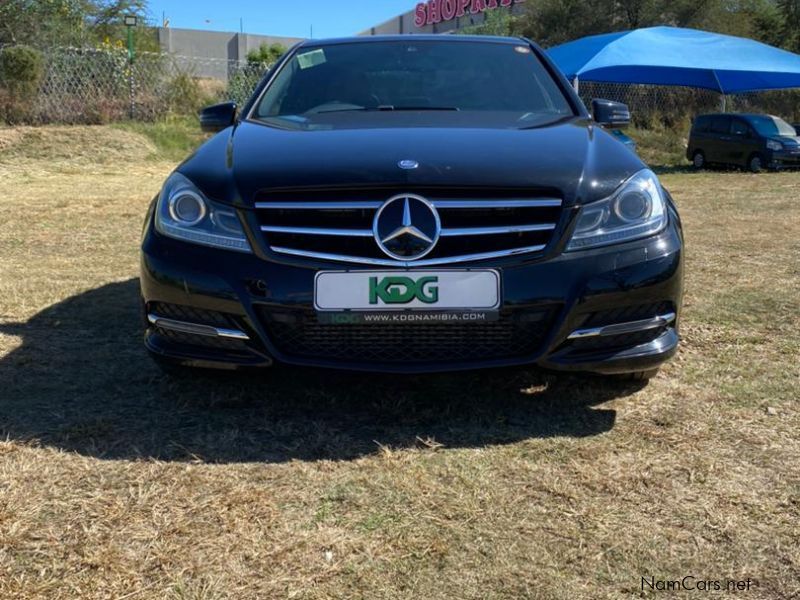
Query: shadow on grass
81,381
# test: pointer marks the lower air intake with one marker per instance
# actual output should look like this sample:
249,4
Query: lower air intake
518,333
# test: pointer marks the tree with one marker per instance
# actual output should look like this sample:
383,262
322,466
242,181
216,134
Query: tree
637,13
790,30
552,22
41,22
105,21
48,23
497,22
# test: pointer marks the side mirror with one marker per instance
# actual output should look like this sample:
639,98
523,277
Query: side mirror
611,114
218,117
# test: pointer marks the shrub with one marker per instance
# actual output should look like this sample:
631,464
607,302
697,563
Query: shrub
183,95
266,54
21,71
243,82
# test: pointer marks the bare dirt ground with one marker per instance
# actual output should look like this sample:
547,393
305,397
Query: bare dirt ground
117,482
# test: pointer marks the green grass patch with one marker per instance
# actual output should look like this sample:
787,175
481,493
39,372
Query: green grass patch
660,148
174,137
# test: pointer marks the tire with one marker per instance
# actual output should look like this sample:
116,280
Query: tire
699,160
755,164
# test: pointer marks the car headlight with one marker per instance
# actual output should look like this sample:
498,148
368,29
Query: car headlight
184,213
636,210
774,146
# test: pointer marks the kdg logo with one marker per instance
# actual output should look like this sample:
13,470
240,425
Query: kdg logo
403,290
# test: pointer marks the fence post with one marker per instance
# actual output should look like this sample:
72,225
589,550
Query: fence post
131,22
131,92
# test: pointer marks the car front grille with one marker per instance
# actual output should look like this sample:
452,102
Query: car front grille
476,225
518,333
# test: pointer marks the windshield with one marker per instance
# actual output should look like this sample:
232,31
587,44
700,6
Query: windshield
772,126
435,77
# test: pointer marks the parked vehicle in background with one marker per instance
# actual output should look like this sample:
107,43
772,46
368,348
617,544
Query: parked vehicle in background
755,142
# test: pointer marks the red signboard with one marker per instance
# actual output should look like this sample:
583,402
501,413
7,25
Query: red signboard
438,11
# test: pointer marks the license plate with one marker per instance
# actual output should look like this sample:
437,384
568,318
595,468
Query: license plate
436,294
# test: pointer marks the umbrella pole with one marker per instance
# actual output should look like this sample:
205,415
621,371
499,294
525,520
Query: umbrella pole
577,85
724,103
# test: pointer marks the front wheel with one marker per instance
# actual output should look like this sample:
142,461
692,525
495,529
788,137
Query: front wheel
755,164
699,160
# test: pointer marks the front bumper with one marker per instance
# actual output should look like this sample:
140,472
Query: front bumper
567,294
784,159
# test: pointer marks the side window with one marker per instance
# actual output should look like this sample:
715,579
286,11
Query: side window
739,128
701,124
721,125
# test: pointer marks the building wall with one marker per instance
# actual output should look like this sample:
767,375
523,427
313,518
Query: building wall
217,47
404,24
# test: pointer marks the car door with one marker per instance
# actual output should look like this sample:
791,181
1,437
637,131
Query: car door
742,143
699,136
719,140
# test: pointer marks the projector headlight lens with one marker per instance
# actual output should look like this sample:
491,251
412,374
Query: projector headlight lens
184,213
636,210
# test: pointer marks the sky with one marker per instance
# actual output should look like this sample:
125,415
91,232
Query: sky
292,18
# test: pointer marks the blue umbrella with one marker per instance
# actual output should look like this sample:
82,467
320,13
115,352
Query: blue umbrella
674,56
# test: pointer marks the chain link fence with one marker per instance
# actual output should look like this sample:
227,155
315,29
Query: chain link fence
101,86
674,107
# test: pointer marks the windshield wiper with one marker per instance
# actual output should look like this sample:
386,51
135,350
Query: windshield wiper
397,108
390,108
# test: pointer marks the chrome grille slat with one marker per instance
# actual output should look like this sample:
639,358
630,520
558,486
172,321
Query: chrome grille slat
508,203
416,263
457,232
463,231
444,204
317,231
318,205
501,224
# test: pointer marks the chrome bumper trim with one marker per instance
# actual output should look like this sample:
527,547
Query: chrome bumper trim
195,329
623,328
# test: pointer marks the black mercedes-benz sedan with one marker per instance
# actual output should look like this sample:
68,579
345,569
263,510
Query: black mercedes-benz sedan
413,204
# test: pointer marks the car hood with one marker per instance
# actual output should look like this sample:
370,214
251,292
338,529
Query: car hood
787,140
576,160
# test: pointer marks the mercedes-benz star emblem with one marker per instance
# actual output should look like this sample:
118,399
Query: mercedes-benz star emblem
407,227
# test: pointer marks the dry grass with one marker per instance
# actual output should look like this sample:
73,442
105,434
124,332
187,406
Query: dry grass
116,482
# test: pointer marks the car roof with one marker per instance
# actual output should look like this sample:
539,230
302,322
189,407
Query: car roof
375,39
